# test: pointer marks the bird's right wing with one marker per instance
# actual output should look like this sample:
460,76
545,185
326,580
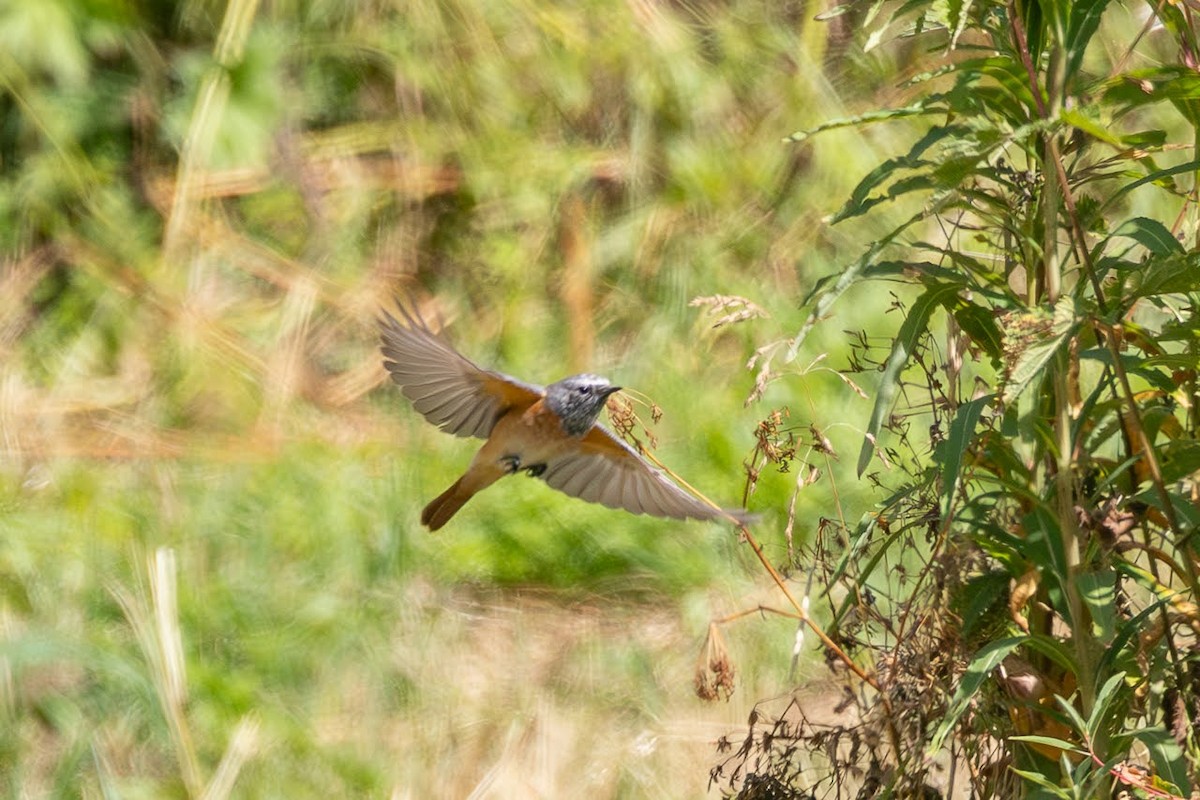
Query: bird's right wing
449,389
605,470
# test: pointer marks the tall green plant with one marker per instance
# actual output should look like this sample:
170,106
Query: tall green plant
1048,635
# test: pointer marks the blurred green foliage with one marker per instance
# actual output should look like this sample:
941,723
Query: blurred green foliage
204,204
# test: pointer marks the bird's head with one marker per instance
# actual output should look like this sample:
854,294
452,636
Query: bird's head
578,401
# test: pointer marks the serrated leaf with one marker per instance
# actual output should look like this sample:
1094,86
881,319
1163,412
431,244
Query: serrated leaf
982,592
1031,340
1176,273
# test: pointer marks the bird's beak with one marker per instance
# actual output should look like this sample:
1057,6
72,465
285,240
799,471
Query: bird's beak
611,390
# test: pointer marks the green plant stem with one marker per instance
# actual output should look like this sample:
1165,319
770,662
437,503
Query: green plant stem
1065,493
1054,162
1077,235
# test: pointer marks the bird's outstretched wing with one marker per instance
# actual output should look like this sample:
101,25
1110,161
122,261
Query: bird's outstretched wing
605,470
446,387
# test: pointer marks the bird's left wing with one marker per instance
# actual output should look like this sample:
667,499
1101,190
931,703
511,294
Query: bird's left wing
605,470
447,387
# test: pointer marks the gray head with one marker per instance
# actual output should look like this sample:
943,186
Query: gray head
578,401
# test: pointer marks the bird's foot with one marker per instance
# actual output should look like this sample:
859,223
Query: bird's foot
536,470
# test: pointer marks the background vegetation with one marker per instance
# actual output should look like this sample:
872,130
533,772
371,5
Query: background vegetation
211,576
210,567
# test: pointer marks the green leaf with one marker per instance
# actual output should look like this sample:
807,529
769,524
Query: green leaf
1053,649
1081,27
1172,274
1077,720
1173,361
1179,458
1038,779
1148,139
1049,741
979,324
863,535
1031,340
860,198
1152,85
1035,28
864,570
1076,118
906,271
1170,763
1158,177
1125,642
1098,590
1151,234
826,295
979,670
1102,707
1045,549
959,438
914,327
916,109
982,592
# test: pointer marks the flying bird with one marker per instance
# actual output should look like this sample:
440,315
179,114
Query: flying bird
549,433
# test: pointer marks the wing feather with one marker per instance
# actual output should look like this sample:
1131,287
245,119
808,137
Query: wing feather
614,490
446,387
605,470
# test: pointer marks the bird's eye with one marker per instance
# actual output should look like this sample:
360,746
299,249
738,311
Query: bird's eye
584,390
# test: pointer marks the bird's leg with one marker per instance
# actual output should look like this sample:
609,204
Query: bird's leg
511,464
536,470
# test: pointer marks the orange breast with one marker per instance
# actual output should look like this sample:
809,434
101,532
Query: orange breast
535,435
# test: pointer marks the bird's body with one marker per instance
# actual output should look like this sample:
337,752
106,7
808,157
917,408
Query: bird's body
526,439
552,434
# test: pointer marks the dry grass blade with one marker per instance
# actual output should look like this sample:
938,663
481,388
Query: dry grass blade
242,747
210,106
157,629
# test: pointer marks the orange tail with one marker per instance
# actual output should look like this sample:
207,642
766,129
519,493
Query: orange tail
445,505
